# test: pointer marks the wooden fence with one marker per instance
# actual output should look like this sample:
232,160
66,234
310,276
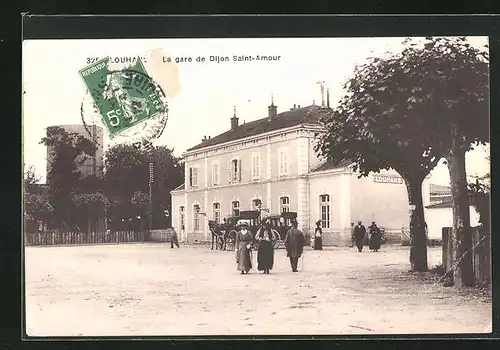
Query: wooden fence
481,253
68,238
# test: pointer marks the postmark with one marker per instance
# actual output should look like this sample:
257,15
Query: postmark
127,101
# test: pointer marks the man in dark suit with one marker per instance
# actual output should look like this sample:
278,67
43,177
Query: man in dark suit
359,236
294,244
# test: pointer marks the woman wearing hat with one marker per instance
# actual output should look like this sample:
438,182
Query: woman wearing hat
318,236
265,254
244,240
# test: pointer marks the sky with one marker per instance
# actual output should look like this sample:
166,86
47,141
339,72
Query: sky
202,95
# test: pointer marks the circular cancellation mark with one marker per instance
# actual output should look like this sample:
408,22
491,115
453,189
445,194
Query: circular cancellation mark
142,102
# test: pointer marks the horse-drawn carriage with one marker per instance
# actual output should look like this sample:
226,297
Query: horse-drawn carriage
281,224
224,234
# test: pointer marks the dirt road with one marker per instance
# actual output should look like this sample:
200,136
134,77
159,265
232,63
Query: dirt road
150,289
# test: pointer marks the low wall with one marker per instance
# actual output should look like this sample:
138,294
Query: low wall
162,235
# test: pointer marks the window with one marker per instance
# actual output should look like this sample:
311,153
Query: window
215,173
193,177
236,208
181,218
196,217
255,167
283,162
325,210
235,171
284,204
216,209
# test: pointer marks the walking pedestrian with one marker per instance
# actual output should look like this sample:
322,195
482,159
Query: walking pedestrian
294,244
352,235
375,237
174,239
318,236
359,236
244,240
265,253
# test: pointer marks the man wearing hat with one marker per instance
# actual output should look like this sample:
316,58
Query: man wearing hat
294,243
359,235
244,240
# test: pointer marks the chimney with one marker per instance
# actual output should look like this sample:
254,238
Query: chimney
298,106
273,110
328,97
204,139
234,120
314,102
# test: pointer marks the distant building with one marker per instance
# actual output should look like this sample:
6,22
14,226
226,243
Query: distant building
93,165
272,161
439,193
439,215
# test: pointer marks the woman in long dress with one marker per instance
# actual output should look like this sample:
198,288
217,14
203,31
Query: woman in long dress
265,254
318,236
244,240
375,237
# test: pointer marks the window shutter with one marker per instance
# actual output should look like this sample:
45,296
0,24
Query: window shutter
230,171
239,170
191,177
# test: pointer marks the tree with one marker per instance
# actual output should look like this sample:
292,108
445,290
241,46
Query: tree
140,201
408,111
168,174
67,151
454,77
31,180
479,194
377,127
36,200
127,172
37,207
91,206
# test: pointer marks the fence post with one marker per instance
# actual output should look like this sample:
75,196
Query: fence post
447,248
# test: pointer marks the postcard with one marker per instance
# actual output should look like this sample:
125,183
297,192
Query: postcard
256,186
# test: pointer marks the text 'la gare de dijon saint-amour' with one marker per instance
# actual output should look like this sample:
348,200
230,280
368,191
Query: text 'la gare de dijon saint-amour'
219,59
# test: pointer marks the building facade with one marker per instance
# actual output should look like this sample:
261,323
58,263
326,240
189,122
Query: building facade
93,165
272,161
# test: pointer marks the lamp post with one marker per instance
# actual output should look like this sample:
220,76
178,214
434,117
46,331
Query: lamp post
150,197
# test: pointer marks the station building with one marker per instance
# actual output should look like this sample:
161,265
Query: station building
272,161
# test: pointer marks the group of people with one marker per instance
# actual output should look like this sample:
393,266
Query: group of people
359,235
294,244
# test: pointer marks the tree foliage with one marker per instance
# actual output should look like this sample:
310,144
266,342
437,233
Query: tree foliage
37,207
67,151
409,110
31,180
480,196
127,173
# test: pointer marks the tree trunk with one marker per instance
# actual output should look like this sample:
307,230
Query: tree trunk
463,274
418,238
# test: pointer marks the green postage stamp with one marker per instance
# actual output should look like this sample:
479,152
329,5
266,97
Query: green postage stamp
123,97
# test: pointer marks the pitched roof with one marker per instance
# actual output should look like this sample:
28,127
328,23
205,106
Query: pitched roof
282,120
330,165
439,189
180,187
447,203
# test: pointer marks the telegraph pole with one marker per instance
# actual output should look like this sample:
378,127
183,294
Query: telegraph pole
150,197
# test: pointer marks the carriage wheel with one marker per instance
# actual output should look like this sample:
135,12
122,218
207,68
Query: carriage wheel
276,242
220,242
231,240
